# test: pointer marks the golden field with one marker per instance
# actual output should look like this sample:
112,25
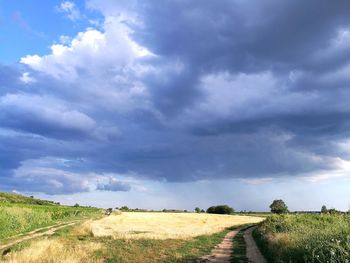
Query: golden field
136,237
150,225
55,251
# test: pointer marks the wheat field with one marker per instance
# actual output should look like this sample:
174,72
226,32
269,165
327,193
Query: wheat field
136,237
55,251
148,225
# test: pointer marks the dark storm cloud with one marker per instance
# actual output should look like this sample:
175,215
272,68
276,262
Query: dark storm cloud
114,185
235,89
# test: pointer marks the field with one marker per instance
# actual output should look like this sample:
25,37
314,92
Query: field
165,225
29,214
132,237
306,238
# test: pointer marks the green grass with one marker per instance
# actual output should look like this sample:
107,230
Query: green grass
20,199
239,248
148,250
305,238
25,216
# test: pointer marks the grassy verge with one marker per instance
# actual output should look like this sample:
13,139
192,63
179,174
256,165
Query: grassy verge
263,245
21,218
305,238
107,249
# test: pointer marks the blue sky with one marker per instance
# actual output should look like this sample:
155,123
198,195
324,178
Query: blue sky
176,104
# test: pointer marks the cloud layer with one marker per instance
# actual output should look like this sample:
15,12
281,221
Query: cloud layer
180,91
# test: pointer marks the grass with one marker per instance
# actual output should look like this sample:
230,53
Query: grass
20,199
153,250
55,250
239,248
67,246
22,217
165,225
305,238
83,246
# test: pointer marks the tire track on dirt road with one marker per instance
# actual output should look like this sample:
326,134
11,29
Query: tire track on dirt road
253,253
222,252
34,234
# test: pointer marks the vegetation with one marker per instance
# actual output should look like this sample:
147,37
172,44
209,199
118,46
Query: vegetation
220,209
20,199
305,238
279,207
324,210
20,214
239,251
197,210
72,247
80,244
151,225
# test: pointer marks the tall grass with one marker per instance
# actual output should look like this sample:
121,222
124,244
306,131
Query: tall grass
20,218
306,238
55,251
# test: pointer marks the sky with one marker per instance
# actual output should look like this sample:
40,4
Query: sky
176,104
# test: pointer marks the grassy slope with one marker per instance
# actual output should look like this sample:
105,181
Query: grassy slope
305,238
20,199
19,214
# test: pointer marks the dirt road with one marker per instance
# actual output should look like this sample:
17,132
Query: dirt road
222,253
37,233
253,253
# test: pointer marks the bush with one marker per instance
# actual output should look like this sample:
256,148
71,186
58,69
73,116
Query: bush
220,209
307,238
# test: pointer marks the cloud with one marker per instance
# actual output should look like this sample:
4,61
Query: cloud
43,115
228,90
90,52
52,176
37,176
114,185
26,78
70,9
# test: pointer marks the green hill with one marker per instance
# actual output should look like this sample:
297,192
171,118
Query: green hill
20,199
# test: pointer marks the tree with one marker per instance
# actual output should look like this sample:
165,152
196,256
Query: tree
197,210
324,210
202,211
124,208
279,207
220,209
76,205
333,211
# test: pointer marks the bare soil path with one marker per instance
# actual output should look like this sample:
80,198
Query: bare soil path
37,233
222,253
253,253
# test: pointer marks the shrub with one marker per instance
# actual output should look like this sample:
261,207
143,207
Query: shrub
310,238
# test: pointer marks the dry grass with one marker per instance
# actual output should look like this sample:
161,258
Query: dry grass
55,251
165,225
